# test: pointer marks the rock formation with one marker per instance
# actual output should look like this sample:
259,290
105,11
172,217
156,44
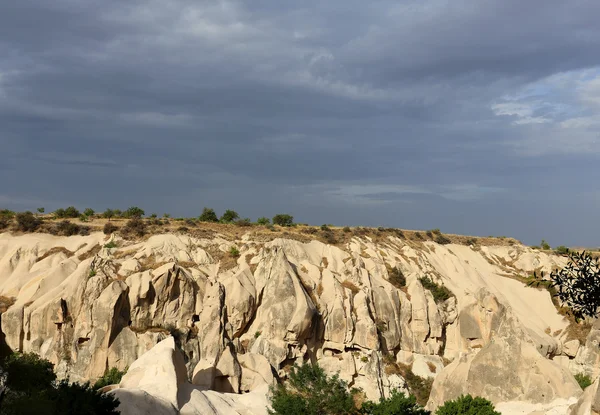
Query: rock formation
219,327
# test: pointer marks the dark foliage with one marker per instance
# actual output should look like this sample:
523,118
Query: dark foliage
134,227
229,216
134,212
111,377
32,389
263,221
282,219
110,228
577,285
70,212
208,215
310,391
243,222
467,405
440,293
397,278
67,228
396,404
27,222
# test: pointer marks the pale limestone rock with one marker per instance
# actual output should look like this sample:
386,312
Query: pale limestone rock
365,334
140,402
342,364
427,366
508,368
571,348
589,401
159,372
256,371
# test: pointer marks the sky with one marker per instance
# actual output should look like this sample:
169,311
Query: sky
478,117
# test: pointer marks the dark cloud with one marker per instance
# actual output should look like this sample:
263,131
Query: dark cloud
475,117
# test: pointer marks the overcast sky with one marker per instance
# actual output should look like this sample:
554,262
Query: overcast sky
477,117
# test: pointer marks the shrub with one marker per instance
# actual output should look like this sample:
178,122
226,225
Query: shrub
471,241
577,285
234,252
396,404
419,235
31,388
229,216
208,215
309,391
41,210
397,278
562,250
3,223
134,226
67,228
110,377
89,212
325,228
70,212
7,214
243,222
583,380
467,405
282,219
111,244
442,240
109,214
440,293
545,245
27,221
263,221
109,228
347,229
134,212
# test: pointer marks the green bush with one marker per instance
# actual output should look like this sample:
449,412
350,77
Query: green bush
282,219
27,222
397,278
31,388
134,212
243,222
561,250
234,252
89,212
3,223
263,221
108,214
347,229
583,380
70,212
110,377
467,405
545,245
110,245
134,226
208,215
229,216
8,214
440,293
396,404
309,391
325,228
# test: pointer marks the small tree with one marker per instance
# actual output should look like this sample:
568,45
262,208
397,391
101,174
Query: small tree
467,405
309,391
263,221
134,212
545,245
208,215
41,210
71,212
88,212
110,377
229,216
109,214
577,285
282,219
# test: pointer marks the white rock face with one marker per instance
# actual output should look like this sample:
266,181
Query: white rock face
87,308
